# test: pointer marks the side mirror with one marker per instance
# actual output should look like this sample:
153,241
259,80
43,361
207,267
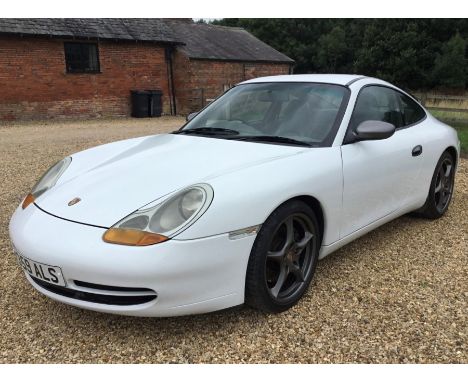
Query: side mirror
374,130
191,116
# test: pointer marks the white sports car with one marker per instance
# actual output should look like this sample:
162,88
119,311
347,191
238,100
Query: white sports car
240,203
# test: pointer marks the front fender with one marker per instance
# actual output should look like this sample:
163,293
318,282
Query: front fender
247,197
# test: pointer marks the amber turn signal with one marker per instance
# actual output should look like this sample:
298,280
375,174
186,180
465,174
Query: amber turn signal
132,237
28,200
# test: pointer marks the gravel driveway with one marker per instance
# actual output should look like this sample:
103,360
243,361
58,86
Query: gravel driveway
398,294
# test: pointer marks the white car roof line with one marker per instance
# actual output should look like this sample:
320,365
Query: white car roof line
356,79
338,79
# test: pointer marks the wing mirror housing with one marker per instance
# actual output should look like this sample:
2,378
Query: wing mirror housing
373,130
191,116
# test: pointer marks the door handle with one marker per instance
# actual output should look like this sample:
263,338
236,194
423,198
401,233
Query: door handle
417,150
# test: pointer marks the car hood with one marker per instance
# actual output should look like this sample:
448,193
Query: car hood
116,179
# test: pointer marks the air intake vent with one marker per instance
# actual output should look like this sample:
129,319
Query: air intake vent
125,296
100,287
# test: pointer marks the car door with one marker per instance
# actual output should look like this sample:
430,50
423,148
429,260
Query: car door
378,175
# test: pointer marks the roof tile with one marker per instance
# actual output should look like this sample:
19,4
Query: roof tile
201,41
122,29
205,41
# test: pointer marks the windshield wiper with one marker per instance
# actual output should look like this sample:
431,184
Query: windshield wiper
273,139
207,131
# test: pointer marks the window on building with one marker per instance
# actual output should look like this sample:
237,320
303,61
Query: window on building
81,57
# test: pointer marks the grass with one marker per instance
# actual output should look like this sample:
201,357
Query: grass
463,136
458,120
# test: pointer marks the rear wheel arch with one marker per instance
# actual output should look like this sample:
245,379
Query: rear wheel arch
441,187
454,153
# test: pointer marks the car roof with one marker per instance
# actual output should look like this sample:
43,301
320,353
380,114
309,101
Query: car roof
338,79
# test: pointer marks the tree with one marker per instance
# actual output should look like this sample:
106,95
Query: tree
332,50
396,51
450,66
413,53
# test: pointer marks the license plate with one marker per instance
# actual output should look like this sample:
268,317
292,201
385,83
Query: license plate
44,272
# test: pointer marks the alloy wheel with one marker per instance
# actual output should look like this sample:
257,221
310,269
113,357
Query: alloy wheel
290,257
444,185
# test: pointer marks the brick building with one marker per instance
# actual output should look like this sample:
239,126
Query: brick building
82,68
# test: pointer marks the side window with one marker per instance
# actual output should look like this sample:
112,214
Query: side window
412,112
377,103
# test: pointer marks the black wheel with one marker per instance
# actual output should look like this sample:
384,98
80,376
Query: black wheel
283,258
441,189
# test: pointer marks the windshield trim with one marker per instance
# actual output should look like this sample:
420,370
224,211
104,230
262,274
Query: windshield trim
329,139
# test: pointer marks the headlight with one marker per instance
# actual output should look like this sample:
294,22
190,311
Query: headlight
48,180
160,223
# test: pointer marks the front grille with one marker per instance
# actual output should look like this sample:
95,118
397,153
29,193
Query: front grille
99,298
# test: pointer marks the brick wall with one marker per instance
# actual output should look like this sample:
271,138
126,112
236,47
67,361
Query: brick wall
199,80
34,83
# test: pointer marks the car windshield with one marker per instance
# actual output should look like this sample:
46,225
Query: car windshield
278,112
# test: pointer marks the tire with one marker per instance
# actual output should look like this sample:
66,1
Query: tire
283,258
440,190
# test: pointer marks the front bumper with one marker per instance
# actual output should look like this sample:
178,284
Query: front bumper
187,276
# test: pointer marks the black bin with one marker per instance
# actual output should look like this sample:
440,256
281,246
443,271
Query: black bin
140,103
155,103
146,103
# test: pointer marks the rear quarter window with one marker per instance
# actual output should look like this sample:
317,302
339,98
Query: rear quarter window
411,112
